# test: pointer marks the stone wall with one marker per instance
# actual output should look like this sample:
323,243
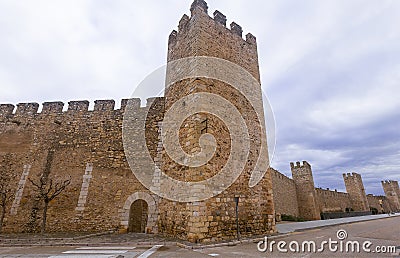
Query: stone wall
285,196
86,146
288,198
381,203
332,201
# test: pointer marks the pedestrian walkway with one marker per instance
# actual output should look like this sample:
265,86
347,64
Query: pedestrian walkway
296,226
91,239
108,252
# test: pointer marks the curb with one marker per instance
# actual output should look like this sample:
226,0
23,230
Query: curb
341,223
94,234
231,243
142,244
8,242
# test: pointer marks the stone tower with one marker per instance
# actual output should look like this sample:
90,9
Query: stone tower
306,197
356,191
240,210
392,192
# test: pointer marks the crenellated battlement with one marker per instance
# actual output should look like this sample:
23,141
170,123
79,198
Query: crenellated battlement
26,109
183,22
56,107
80,105
133,103
299,165
52,107
6,110
353,175
201,4
104,105
329,192
219,17
237,29
390,182
200,7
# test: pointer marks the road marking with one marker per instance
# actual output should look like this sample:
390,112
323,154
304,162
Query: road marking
107,248
83,256
95,252
213,255
149,252
319,237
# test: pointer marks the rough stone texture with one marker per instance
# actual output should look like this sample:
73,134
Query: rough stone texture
326,200
200,35
306,196
87,145
332,201
381,203
215,218
355,188
392,192
78,137
285,196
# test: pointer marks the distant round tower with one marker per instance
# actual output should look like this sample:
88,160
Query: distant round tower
356,191
306,196
392,192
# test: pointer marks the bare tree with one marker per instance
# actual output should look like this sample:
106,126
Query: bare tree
47,192
7,191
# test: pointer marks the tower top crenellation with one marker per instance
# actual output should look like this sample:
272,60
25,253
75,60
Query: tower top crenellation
218,17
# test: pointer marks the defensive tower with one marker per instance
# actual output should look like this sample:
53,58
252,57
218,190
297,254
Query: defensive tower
306,197
392,192
240,209
356,191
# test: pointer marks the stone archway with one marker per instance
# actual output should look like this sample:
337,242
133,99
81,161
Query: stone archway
152,216
138,216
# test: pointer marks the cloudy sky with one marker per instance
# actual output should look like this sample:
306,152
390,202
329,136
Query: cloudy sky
331,69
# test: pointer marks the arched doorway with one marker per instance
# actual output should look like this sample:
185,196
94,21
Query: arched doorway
138,215
152,212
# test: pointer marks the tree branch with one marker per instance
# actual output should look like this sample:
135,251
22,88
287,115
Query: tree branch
35,184
59,188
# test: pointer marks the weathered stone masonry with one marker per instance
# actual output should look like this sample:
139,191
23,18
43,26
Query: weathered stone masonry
392,192
215,218
299,198
87,145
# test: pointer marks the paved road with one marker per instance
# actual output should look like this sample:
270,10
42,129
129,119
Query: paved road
111,251
292,227
382,232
